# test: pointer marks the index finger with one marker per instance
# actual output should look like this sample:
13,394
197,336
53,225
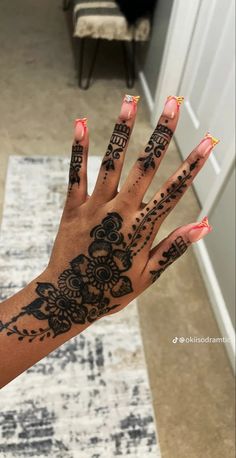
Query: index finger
111,167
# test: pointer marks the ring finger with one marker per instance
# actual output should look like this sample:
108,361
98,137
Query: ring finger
172,191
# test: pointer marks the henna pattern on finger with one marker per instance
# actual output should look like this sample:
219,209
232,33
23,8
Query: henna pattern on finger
116,146
121,134
177,248
156,146
75,164
77,153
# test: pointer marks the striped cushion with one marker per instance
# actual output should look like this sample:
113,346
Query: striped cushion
96,19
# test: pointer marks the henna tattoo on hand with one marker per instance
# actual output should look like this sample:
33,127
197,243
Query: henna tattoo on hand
81,293
156,146
75,164
116,146
85,289
177,248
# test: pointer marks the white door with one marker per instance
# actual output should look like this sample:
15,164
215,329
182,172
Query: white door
208,83
198,63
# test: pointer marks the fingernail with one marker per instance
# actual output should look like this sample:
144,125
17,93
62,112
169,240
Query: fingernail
199,231
80,129
129,107
172,105
207,144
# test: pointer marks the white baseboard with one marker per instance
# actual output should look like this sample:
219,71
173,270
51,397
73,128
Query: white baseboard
217,300
146,90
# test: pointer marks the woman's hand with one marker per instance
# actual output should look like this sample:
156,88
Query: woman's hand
103,256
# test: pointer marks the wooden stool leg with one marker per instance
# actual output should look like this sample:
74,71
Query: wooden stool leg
86,85
129,61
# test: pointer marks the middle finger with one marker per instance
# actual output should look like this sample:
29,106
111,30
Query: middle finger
149,160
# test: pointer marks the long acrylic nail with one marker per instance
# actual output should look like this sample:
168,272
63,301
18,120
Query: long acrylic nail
199,231
80,129
206,145
172,105
129,107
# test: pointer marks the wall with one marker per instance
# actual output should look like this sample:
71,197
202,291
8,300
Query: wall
150,55
221,243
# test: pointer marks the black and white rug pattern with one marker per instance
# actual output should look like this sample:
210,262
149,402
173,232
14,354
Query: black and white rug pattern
90,398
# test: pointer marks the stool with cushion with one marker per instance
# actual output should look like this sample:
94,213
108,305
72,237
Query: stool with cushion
104,20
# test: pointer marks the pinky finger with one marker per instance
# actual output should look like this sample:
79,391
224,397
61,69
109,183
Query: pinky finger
172,247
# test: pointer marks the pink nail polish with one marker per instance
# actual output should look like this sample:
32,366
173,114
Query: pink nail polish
80,129
199,231
129,107
172,105
206,145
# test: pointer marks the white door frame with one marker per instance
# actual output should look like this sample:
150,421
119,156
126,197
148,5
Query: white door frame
171,72
175,52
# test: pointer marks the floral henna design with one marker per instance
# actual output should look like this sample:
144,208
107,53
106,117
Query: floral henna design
177,248
80,295
156,146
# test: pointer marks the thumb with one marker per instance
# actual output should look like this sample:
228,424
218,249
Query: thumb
172,247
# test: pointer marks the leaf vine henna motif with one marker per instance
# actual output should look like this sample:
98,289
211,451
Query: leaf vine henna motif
156,146
81,293
116,146
142,231
177,248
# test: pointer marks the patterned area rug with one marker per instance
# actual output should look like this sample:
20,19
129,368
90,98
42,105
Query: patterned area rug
90,398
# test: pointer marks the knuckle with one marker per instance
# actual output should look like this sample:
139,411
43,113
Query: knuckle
144,165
